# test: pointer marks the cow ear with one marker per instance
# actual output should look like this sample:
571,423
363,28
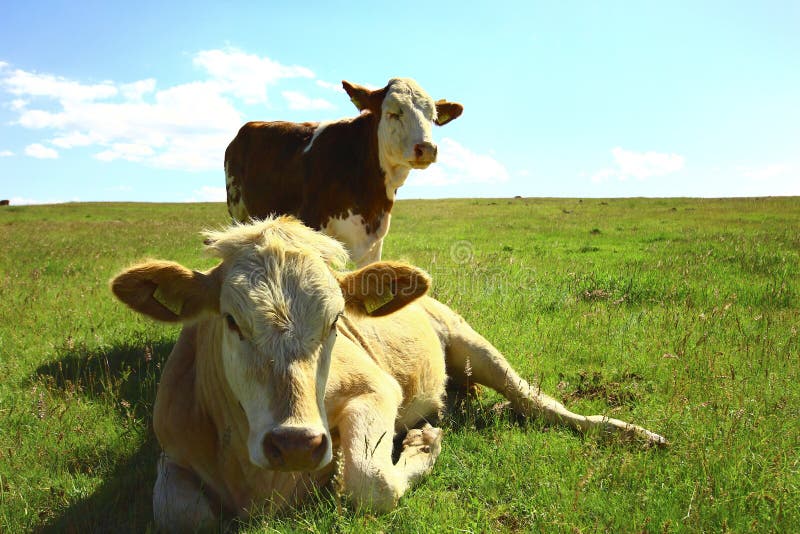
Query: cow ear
384,287
360,96
167,291
447,111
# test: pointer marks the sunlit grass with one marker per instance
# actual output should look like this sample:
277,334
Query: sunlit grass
681,315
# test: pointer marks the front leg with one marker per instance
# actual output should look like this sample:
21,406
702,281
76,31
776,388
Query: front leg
179,503
370,479
372,254
421,447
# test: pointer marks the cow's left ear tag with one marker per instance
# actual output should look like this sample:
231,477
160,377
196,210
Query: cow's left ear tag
175,305
375,302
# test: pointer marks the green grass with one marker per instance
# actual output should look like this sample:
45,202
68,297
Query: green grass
680,315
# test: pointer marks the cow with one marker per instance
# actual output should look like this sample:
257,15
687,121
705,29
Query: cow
285,363
5,202
340,177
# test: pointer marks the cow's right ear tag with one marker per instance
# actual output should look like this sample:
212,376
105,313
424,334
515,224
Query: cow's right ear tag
175,305
375,302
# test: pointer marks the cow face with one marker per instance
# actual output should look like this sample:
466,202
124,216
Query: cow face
273,304
406,113
280,309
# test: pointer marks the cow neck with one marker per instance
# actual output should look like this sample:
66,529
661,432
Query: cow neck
379,176
349,329
393,176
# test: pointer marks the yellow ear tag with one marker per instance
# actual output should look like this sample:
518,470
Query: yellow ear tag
173,305
375,302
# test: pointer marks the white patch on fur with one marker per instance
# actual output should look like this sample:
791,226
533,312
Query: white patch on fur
364,247
320,128
283,298
237,210
407,116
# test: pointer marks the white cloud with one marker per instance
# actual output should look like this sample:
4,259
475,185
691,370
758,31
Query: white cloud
170,129
332,86
183,127
457,164
6,153
246,75
639,165
37,119
195,153
299,101
126,151
137,90
73,139
40,151
208,193
22,83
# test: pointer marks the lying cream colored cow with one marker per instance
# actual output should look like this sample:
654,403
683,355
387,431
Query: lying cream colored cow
283,360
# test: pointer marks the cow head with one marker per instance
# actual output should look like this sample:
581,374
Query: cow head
405,113
272,306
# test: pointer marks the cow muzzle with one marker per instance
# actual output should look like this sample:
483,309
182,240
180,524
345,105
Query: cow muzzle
424,155
295,449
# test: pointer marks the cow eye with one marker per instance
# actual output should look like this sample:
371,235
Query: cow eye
232,326
393,115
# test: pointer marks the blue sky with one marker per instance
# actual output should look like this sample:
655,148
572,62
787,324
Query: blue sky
137,101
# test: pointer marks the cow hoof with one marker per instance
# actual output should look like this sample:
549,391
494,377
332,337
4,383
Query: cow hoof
644,436
427,440
627,431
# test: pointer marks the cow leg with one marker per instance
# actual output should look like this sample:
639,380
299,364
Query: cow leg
369,477
471,355
179,504
421,447
371,255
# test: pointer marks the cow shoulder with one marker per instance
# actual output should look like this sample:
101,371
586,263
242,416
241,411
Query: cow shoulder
343,169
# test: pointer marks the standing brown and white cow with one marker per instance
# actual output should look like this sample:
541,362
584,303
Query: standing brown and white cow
339,177
283,361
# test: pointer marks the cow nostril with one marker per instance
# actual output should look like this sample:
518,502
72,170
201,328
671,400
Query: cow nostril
272,450
319,444
425,152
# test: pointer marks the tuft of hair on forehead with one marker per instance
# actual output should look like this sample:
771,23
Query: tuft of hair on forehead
285,231
411,83
407,89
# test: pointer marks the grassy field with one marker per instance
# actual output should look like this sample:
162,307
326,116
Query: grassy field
680,315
